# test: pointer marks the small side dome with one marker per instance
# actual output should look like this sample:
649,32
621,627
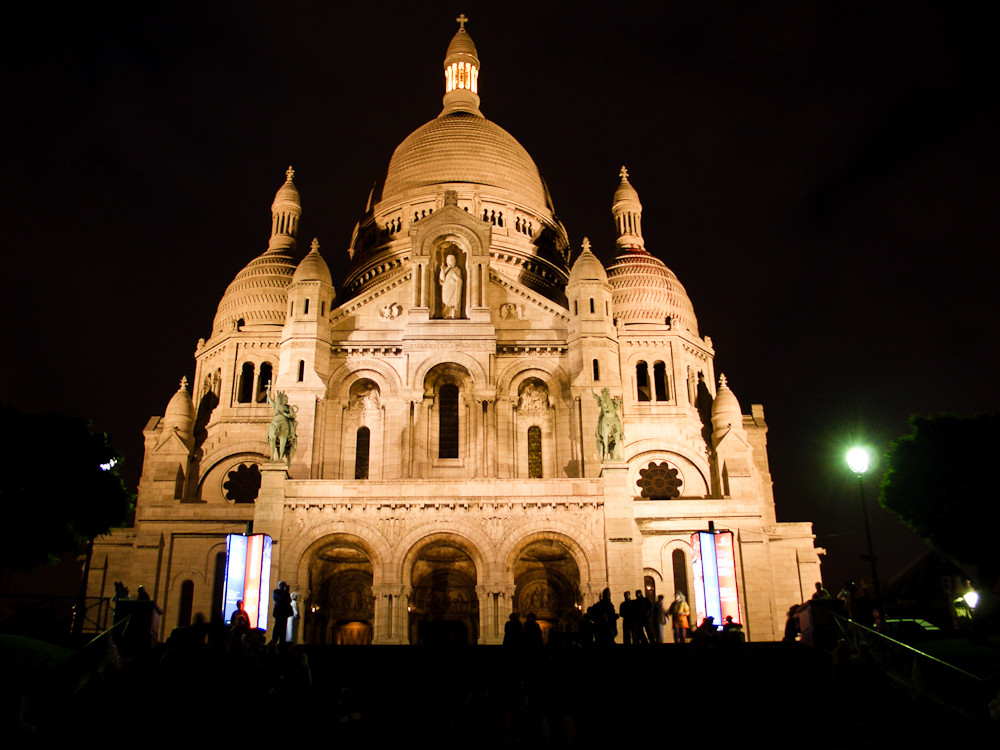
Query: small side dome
726,412
259,293
587,267
644,290
313,267
180,412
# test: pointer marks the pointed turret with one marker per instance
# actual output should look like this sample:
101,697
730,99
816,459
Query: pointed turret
285,213
628,214
258,294
461,73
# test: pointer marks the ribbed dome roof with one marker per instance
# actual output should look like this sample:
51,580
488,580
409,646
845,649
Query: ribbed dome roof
625,191
313,267
644,290
259,293
463,147
587,267
461,44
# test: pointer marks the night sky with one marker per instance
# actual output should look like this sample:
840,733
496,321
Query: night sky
821,176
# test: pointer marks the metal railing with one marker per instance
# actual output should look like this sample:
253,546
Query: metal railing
921,674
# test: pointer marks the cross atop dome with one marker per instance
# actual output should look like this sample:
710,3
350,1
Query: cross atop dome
462,20
289,173
314,245
586,244
722,381
623,173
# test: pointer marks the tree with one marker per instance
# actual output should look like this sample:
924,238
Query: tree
59,488
940,481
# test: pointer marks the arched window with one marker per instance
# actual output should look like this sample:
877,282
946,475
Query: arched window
534,452
302,370
263,378
361,453
576,307
591,305
660,381
244,393
186,605
448,421
597,371
679,565
642,381
305,311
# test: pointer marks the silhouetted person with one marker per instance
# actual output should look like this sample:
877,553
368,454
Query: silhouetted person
282,611
627,612
240,619
512,631
532,631
659,619
141,594
643,618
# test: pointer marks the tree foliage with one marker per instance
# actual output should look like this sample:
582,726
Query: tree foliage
940,481
54,494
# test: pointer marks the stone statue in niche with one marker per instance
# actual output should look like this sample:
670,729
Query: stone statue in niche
534,397
366,399
452,282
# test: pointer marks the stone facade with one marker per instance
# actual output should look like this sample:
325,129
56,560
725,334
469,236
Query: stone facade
449,465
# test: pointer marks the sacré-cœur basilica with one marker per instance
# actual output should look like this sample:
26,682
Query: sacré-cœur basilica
484,419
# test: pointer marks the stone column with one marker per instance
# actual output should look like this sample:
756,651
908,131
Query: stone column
622,538
269,511
389,601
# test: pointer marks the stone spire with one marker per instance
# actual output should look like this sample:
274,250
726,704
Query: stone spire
461,73
285,213
628,214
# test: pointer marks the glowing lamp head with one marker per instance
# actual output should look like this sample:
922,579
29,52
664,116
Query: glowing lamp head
857,459
972,599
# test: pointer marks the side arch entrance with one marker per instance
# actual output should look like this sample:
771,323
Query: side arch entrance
341,604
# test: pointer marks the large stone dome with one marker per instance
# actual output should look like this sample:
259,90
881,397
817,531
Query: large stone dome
462,147
644,290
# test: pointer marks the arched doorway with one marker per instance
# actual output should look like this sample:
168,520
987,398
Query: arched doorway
341,606
444,606
547,584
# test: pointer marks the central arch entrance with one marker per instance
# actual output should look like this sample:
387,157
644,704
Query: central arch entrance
444,606
341,606
547,584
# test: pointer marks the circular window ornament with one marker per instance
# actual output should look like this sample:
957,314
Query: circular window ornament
242,484
659,481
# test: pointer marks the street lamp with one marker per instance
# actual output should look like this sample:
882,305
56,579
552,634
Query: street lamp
858,461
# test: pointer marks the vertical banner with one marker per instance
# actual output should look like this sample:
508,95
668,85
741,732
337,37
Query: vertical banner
715,575
248,576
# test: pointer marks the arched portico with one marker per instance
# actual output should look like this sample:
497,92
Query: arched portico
339,608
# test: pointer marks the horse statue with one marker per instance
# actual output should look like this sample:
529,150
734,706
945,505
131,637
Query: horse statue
610,435
281,432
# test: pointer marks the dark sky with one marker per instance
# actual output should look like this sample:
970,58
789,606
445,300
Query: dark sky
822,176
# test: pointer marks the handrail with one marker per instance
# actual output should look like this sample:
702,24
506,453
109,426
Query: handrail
908,647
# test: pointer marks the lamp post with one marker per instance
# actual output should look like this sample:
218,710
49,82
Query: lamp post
857,460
